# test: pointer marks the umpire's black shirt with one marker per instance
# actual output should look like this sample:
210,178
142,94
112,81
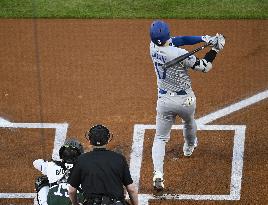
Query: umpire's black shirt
101,172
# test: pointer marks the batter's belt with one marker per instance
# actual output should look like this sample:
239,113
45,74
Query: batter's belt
172,93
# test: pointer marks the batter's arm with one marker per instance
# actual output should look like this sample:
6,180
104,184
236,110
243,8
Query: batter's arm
190,40
186,40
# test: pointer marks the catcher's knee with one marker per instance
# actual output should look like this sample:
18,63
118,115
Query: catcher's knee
40,182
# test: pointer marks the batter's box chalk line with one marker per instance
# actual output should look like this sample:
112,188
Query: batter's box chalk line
237,158
236,170
60,136
137,149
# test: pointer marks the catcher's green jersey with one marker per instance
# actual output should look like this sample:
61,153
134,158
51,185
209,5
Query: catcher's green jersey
58,195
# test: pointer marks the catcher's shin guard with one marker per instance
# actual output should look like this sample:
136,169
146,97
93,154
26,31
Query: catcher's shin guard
42,188
42,195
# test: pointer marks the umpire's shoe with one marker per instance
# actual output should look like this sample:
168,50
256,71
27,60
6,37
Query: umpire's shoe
158,181
188,150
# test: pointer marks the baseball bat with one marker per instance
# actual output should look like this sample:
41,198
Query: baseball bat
184,56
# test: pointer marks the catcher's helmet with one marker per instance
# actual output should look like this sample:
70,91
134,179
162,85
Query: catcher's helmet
159,32
70,151
98,135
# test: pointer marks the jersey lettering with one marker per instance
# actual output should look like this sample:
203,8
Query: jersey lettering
59,171
159,57
159,61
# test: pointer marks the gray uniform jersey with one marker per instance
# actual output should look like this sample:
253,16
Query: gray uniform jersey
175,78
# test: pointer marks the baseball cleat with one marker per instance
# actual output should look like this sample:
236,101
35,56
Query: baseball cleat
158,181
188,150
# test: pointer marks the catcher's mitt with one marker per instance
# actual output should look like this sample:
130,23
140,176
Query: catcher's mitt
40,182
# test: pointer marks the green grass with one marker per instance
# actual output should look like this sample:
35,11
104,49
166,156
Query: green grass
183,9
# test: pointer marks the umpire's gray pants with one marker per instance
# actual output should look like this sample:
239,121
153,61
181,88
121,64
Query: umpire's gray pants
169,106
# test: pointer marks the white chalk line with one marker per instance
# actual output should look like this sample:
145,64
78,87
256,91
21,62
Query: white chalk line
60,136
139,129
237,163
232,108
4,122
60,132
144,198
17,195
224,111
137,147
238,150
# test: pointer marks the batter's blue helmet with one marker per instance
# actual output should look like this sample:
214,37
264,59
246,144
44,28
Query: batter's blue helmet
159,32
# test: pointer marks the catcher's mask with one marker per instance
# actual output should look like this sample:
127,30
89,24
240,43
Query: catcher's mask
70,151
98,135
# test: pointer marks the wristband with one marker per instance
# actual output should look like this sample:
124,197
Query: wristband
211,55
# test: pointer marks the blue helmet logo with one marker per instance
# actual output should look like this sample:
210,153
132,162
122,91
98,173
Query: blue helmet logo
159,32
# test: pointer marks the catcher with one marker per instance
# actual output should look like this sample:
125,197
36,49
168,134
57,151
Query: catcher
52,187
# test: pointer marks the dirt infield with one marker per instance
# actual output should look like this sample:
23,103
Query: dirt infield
84,72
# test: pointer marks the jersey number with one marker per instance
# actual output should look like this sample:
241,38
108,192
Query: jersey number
157,65
62,190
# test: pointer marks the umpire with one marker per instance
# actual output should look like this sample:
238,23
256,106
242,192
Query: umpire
102,173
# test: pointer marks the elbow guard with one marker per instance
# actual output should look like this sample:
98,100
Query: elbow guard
202,65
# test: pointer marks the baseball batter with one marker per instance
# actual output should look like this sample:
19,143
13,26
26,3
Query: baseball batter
52,187
175,94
